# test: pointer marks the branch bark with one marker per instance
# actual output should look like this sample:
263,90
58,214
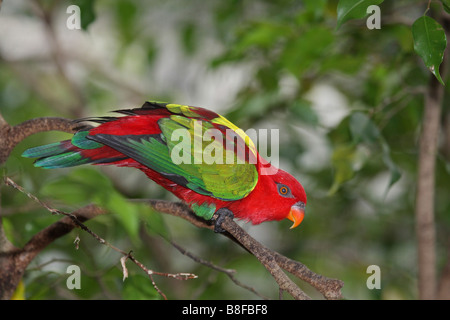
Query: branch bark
425,192
14,261
273,261
425,226
11,136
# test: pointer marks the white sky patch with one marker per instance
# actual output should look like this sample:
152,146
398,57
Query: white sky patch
330,105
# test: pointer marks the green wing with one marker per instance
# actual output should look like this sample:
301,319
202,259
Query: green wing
191,153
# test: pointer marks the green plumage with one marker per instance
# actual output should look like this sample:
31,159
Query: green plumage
43,151
190,152
223,178
79,140
63,160
57,155
205,211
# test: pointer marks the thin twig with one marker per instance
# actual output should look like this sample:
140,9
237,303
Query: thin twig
126,255
330,288
265,256
229,272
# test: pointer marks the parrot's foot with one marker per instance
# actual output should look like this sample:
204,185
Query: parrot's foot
222,213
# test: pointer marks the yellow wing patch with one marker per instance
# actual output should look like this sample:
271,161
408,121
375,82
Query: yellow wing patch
225,122
184,110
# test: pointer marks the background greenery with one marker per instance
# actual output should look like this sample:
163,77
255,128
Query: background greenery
348,102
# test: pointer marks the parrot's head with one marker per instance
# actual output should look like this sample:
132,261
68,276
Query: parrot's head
290,197
287,198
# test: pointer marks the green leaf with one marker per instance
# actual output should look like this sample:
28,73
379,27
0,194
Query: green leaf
87,185
306,50
343,159
80,186
351,9
189,38
262,34
126,213
363,128
126,12
138,287
393,169
430,43
446,5
87,12
303,111
154,222
345,63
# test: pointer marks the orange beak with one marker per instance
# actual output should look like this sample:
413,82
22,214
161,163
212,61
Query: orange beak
296,214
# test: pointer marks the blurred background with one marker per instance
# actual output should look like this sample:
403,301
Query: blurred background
347,102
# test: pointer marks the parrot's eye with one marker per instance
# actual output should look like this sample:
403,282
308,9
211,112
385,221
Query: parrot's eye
284,190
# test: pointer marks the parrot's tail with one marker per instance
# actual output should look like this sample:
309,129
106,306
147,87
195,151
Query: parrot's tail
77,151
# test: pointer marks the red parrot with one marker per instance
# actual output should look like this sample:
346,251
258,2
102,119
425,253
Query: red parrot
198,155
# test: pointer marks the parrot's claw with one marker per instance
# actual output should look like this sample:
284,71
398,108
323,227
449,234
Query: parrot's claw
222,213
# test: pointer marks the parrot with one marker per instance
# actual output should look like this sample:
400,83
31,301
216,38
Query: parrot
198,155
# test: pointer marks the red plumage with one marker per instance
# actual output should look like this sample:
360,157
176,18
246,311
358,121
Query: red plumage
125,141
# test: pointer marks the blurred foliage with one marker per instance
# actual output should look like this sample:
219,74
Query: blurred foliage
348,102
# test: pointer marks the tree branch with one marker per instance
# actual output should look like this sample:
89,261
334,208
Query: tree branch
229,272
11,136
329,288
265,257
14,261
425,192
56,230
